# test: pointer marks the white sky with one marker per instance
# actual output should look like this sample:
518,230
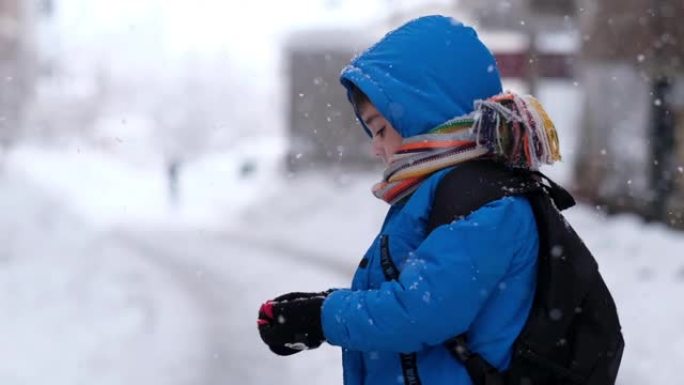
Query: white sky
144,40
178,26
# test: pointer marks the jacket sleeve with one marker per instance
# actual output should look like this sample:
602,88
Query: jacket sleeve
442,286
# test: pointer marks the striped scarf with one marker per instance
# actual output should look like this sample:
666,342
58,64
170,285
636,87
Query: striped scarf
508,127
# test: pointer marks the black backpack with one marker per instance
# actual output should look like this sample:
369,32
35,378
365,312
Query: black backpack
572,334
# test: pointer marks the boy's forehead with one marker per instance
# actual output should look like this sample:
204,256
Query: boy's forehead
367,108
368,112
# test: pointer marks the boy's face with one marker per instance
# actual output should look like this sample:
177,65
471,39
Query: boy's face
385,139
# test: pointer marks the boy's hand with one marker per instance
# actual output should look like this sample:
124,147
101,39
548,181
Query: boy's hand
292,322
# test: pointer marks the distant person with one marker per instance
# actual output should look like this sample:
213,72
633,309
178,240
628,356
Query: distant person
445,289
172,174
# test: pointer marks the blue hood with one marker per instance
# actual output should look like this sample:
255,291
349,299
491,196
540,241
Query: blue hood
425,72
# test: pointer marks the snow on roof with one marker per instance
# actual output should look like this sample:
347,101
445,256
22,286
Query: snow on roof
504,41
559,41
516,41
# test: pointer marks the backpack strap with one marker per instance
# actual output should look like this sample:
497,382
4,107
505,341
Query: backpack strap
480,371
409,366
560,196
473,184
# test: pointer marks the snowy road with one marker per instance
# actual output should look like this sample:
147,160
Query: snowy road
227,277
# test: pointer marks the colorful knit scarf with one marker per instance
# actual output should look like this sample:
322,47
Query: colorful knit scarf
508,127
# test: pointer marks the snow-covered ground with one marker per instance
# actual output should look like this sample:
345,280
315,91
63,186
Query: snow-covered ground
77,305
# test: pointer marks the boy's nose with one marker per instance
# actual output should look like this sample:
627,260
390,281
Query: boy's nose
376,150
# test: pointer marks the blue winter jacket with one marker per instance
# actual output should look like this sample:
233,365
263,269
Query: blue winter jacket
475,275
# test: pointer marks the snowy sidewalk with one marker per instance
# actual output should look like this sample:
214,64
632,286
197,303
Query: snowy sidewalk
76,306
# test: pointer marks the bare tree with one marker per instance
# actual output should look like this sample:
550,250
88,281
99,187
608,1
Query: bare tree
16,66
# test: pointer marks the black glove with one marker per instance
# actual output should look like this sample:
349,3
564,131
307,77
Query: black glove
299,295
291,322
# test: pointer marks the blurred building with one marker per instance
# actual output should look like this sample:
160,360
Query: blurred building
323,128
540,25
632,144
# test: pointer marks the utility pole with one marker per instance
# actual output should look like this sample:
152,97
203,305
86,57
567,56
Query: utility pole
663,123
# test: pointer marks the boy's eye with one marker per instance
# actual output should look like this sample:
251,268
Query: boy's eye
380,132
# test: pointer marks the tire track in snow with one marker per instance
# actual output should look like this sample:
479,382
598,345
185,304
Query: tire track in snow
291,251
189,279
210,282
